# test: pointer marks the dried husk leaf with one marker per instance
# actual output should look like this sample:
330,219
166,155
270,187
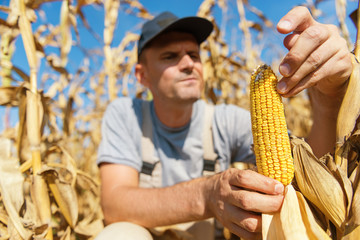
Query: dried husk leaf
318,185
294,221
348,113
286,224
354,215
353,235
341,177
313,229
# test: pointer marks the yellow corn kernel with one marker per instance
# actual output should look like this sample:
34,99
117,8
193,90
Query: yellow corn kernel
271,140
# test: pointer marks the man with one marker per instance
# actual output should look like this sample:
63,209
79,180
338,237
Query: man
169,65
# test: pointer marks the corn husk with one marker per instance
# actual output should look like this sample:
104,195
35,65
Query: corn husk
318,185
294,221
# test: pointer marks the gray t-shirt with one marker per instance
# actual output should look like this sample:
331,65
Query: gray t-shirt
180,150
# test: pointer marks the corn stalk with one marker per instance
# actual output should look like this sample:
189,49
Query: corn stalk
244,26
39,187
111,13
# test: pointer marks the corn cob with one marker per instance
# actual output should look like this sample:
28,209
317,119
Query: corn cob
271,140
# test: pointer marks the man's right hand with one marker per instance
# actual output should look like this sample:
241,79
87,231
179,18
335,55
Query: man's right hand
238,197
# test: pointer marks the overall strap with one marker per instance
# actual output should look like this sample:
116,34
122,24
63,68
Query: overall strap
211,163
150,175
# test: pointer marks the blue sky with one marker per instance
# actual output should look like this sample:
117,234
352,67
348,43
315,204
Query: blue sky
273,10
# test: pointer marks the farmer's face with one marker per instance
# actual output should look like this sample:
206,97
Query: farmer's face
171,68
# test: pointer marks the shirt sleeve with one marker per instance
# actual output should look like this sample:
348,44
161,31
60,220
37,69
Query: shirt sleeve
121,134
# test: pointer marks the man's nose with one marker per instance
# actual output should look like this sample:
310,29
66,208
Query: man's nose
186,63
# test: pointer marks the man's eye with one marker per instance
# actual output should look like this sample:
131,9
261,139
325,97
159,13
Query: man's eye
169,56
195,56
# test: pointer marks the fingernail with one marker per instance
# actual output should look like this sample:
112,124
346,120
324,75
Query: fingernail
284,69
284,24
279,188
281,86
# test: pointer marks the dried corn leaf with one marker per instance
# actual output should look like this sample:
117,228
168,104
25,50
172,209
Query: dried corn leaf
92,229
8,96
318,185
340,6
66,37
59,182
67,234
143,13
205,8
22,140
11,183
261,15
27,36
40,197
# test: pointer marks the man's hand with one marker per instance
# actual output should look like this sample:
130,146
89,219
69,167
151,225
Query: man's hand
318,56
238,197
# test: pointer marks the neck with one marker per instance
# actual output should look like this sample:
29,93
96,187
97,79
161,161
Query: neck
172,115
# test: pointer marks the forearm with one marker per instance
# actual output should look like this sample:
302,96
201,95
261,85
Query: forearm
182,202
325,109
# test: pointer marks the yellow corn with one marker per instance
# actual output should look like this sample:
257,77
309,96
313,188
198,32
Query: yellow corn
271,140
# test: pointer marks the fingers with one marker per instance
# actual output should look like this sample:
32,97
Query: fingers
247,179
296,20
255,201
244,224
306,49
311,59
304,57
290,40
243,233
327,86
241,196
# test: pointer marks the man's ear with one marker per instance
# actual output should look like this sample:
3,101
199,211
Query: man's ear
140,74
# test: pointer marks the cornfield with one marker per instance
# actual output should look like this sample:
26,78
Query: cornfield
49,181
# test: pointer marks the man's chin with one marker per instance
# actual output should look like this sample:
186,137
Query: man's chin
188,99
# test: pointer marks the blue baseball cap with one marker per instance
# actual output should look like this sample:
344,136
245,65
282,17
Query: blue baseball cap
199,27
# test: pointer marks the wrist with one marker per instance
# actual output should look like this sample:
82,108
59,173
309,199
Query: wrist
208,195
326,105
